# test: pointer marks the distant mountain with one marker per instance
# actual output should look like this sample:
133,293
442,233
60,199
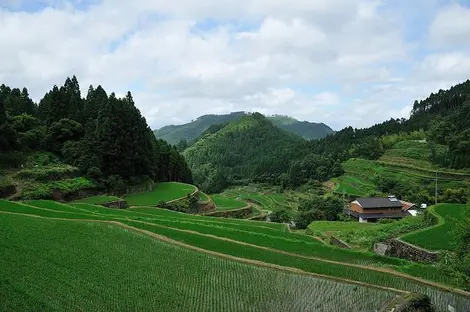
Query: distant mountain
190,131
307,130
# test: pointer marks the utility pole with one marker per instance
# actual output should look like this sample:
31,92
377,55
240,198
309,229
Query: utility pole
435,194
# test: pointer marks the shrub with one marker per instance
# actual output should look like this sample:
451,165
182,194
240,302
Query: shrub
385,221
116,185
34,190
94,173
48,173
280,216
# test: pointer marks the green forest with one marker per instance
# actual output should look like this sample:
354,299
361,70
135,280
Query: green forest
104,136
252,149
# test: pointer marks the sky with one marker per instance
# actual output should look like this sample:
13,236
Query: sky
341,62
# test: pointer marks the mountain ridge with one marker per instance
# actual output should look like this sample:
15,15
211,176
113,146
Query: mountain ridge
173,134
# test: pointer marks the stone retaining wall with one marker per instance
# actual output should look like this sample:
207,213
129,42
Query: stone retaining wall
337,242
119,204
409,303
400,249
261,217
206,206
57,195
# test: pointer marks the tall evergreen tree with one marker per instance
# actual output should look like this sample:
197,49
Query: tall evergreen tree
8,135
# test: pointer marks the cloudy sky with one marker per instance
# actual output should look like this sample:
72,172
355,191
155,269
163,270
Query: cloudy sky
342,62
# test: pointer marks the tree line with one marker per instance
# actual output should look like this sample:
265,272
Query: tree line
103,135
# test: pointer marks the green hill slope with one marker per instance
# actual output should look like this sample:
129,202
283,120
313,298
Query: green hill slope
247,148
190,131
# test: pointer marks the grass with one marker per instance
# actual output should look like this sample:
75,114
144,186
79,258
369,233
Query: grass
58,265
325,228
263,236
97,200
224,203
165,191
439,237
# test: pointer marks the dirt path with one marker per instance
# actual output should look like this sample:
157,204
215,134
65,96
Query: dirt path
365,267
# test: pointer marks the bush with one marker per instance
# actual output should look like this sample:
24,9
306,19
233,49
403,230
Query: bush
33,190
280,216
385,221
94,173
48,173
32,139
116,185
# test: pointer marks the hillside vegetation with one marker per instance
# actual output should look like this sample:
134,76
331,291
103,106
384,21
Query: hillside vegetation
99,141
190,131
251,149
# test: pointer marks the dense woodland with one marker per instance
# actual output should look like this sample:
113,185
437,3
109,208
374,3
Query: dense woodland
106,137
252,149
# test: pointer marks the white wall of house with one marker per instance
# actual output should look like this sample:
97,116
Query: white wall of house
362,220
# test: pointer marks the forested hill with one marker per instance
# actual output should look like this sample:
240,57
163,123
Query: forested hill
190,131
252,149
106,137
443,116
307,130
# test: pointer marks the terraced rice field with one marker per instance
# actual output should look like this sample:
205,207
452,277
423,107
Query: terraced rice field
268,199
56,265
98,200
439,237
358,179
258,241
225,203
165,191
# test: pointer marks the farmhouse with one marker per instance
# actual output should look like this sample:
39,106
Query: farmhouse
373,209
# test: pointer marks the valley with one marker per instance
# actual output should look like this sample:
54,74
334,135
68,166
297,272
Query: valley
247,215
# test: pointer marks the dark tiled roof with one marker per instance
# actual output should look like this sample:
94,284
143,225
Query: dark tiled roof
378,203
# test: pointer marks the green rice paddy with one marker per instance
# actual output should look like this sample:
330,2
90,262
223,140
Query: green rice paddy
212,234
439,237
165,191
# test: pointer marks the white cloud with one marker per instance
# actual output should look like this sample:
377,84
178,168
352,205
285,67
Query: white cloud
451,27
280,57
